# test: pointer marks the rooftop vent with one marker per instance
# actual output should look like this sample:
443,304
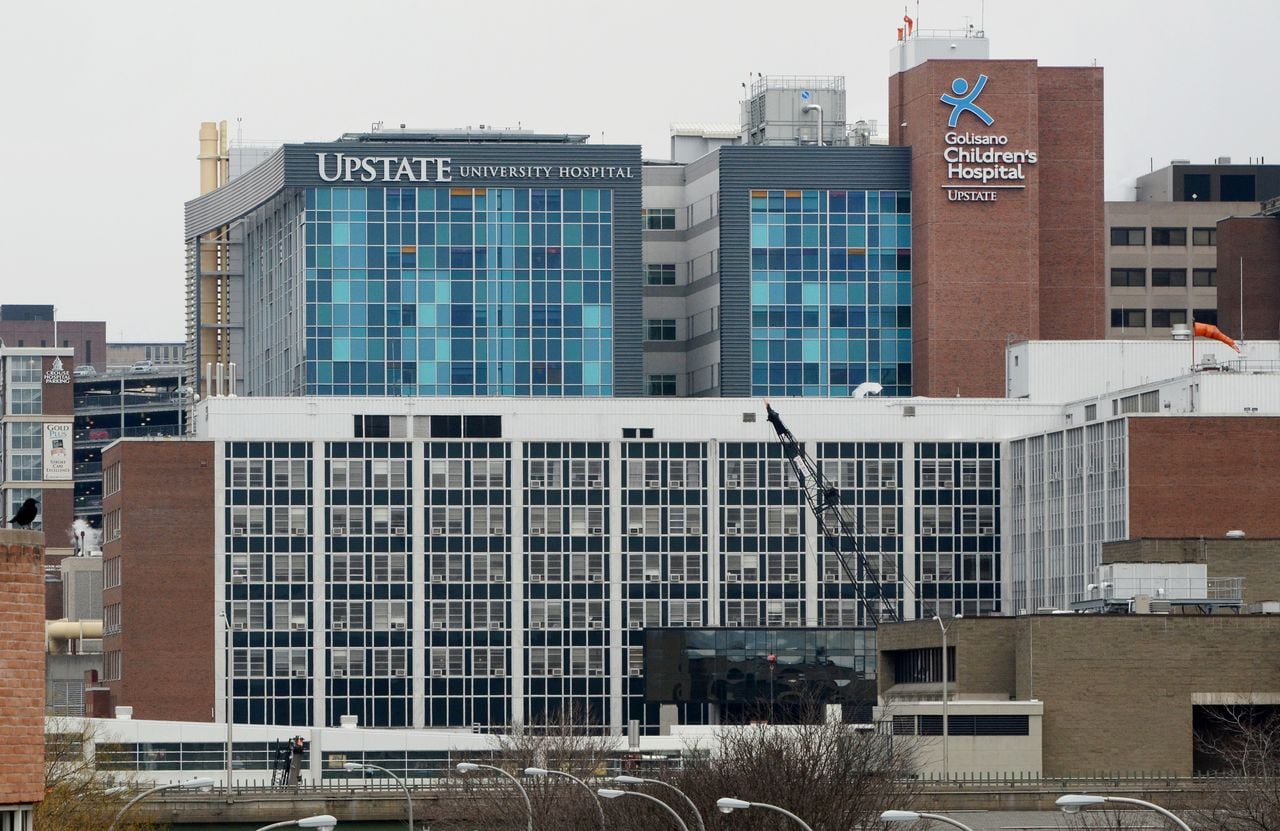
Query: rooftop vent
1235,534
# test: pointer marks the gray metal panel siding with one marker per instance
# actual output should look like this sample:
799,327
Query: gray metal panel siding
743,169
237,198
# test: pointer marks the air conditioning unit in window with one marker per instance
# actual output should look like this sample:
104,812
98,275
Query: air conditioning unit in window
437,672
301,530
495,624
635,672
397,531
597,530
339,529
535,578
239,624
635,530
597,670
636,624
652,578
732,577
733,529
299,673
339,673
595,482
437,578
339,624
596,623
732,482
793,578
928,531
987,529
238,532
397,624
437,530
537,482
437,624
596,578
653,483
398,672
555,671
297,624
536,530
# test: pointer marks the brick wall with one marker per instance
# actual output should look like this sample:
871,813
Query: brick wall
1118,690
1253,559
167,570
1256,240
1030,263
21,666
1203,476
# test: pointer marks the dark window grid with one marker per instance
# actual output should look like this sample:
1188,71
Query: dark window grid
1204,236
1204,277
1128,236
1129,277
1129,318
1168,277
1168,236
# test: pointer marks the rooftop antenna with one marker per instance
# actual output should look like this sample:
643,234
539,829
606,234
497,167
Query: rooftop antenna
239,130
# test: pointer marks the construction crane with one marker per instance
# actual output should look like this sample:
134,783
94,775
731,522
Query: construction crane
836,528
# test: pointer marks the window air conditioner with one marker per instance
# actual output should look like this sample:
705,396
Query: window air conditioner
653,483
339,529
339,624
398,672
928,531
555,672
302,530
397,624
987,529
437,578
733,529
635,672
597,578
397,531
339,673
238,532
635,530
299,673
597,623
536,530
297,624
437,624
537,482
239,624
793,578
597,530
437,530
732,481
732,577
595,482
636,624
437,672
597,670
653,578
535,578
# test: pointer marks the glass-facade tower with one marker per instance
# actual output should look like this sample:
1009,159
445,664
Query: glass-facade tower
459,291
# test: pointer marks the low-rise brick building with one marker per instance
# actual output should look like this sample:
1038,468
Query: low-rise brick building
21,676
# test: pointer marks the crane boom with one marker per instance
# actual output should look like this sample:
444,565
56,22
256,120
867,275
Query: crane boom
836,529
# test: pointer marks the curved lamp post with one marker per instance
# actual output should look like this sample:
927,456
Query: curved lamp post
322,821
728,805
916,816
1073,802
408,797
613,793
200,783
636,780
468,767
545,772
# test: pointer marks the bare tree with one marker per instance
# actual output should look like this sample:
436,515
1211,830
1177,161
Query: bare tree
76,792
833,775
565,742
1242,746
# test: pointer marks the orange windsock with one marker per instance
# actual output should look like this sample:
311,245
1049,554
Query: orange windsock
1208,330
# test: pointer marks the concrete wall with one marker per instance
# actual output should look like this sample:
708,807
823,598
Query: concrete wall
21,666
971,755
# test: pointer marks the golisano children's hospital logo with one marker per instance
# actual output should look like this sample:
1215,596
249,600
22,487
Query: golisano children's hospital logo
964,100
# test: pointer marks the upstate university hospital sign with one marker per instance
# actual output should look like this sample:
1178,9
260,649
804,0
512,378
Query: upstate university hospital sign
979,164
340,167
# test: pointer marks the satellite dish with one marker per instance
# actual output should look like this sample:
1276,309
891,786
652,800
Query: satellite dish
867,388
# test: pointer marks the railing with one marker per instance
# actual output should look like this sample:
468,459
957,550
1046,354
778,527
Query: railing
105,434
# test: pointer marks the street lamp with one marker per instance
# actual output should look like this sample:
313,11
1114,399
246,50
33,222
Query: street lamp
916,816
946,732
321,821
408,797
468,767
636,780
202,783
226,624
1071,803
545,772
728,805
612,793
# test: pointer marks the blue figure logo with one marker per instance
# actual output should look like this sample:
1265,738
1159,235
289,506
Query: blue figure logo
963,100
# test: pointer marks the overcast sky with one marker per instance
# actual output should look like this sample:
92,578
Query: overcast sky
102,101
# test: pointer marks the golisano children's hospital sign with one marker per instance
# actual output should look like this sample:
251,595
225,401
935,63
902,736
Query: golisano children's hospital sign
979,165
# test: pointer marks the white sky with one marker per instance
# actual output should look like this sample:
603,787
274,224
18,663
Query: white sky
94,89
